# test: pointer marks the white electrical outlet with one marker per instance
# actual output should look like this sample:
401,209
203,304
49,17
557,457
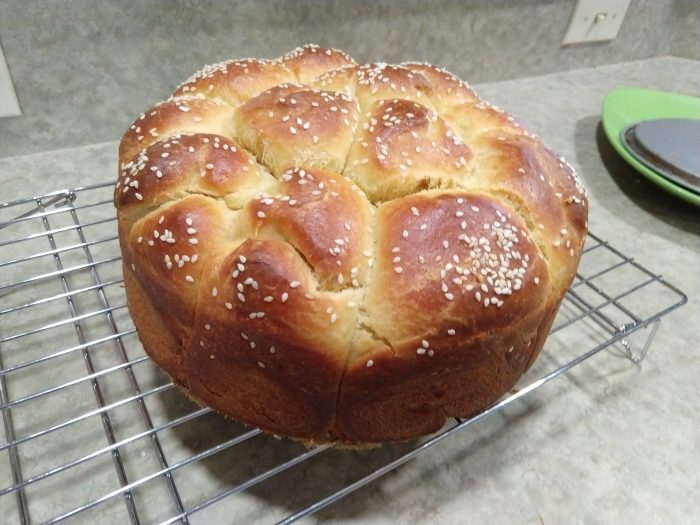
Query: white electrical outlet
595,21
9,106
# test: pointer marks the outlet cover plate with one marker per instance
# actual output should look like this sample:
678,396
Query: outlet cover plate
595,21
9,105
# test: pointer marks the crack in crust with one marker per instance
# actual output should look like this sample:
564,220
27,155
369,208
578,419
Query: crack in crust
422,233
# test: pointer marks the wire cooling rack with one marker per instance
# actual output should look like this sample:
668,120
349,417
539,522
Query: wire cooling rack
93,431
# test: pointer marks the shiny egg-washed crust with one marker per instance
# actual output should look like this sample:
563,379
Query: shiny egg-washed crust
342,252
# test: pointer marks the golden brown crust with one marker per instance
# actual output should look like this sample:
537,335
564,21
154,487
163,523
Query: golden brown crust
311,61
404,147
173,117
235,81
448,90
321,214
293,125
337,251
260,315
454,261
195,163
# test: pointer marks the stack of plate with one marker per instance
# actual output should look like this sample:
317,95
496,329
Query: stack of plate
658,134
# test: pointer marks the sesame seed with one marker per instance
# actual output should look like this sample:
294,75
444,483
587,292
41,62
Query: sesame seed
370,363
189,278
398,269
425,344
294,284
261,364
451,331
284,297
420,351
193,241
214,292
229,306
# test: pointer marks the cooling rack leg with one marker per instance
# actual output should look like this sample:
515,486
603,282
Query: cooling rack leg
638,357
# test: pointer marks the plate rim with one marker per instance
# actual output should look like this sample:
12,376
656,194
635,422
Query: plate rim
612,133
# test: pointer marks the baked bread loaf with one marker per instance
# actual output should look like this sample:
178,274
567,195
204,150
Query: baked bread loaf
334,251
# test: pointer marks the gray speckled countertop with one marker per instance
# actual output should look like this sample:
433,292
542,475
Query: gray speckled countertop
610,442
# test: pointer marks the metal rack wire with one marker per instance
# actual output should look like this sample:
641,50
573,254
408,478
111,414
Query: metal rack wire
92,428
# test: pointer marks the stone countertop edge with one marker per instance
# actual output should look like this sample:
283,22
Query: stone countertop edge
629,453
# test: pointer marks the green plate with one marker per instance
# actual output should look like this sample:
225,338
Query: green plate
623,107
